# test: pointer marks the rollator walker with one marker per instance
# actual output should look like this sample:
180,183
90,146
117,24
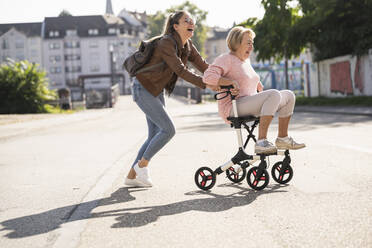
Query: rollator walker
236,168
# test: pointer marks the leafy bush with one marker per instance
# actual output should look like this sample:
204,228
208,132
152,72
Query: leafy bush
23,88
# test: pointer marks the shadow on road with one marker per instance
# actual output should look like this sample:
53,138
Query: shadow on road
50,220
301,121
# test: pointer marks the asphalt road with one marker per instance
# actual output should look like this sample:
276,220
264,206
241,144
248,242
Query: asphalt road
61,183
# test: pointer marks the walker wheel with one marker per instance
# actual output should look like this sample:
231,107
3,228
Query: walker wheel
205,178
234,176
256,181
279,175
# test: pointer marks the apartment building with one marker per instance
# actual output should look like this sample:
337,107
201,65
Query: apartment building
69,47
19,41
75,46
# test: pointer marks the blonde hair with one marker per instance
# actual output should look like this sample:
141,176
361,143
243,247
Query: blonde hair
235,37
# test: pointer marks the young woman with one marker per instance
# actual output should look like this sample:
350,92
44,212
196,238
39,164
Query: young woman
175,49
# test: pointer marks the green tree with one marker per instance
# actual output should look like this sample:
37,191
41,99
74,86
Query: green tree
65,13
273,39
156,23
335,27
23,88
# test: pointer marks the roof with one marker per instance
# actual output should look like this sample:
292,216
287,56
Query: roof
29,29
82,24
129,18
218,34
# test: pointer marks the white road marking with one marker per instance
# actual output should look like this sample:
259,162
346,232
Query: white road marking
310,181
355,148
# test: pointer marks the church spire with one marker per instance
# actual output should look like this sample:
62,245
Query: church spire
109,7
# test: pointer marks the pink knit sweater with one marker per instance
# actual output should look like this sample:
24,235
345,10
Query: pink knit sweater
231,67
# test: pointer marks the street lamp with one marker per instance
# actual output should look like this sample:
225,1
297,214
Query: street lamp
111,49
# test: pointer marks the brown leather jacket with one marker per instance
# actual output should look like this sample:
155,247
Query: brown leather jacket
175,65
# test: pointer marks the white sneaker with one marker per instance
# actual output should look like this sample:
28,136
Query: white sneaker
133,182
288,143
264,147
143,175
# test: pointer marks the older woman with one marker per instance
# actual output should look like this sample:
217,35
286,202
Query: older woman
252,100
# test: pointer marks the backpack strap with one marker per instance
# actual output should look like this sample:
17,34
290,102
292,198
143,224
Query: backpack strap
151,67
158,65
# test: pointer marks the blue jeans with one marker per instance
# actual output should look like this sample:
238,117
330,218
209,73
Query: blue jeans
159,123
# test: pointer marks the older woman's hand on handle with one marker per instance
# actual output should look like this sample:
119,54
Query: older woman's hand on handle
225,81
235,90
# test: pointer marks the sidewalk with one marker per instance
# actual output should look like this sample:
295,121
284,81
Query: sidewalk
21,124
346,110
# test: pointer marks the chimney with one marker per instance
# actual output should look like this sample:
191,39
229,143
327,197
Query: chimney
109,7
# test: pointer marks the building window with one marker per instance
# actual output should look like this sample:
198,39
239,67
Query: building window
5,44
73,69
55,70
34,53
19,44
72,57
72,44
71,32
53,33
20,57
93,31
72,82
54,45
112,31
54,83
94,68
54,58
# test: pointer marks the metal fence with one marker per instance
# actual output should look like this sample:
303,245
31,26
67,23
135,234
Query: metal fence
189,92
275,78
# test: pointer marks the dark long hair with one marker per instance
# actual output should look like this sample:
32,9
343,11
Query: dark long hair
168,29
172,19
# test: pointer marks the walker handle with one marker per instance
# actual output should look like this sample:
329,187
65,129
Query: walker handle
227,92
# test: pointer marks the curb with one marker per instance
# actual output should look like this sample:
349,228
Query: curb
366,112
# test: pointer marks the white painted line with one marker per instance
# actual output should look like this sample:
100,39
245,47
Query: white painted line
355,148
309,181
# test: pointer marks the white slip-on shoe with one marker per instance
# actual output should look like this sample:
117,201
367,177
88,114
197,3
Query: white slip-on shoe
133,182
143,175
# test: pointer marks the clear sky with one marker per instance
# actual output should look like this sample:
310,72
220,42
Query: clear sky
221,13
